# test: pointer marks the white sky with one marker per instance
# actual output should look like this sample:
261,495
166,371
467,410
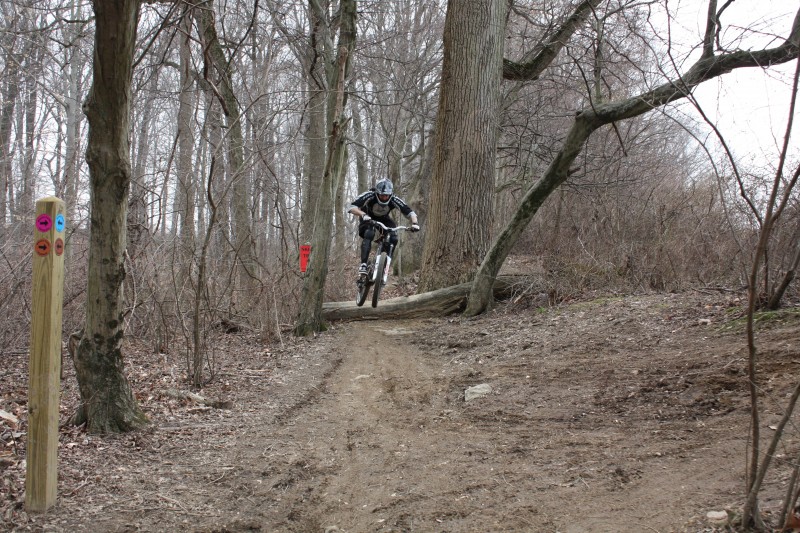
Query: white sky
750,106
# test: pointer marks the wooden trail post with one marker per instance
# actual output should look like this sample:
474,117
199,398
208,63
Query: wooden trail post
45,363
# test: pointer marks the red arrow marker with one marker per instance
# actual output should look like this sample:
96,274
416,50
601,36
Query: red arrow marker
42,247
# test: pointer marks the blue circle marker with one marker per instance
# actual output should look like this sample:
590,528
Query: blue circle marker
60,222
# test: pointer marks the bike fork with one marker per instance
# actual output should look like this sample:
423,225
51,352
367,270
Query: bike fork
386,270
377,266
385,273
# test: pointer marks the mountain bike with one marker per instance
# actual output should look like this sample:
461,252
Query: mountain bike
378,265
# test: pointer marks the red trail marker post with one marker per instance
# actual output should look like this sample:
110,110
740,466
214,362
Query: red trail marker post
45,358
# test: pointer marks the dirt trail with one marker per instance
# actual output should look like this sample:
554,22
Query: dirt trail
391,446
620,415
373,433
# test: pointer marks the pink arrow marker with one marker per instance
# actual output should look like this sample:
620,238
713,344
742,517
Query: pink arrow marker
44,222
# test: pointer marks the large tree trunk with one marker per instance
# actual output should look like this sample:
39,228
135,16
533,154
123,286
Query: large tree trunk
460,208
107,403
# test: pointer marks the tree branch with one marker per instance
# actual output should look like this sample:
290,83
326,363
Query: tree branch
711,29
532,68
589,120
705,69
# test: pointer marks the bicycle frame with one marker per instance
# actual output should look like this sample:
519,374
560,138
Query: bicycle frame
384,245
378,274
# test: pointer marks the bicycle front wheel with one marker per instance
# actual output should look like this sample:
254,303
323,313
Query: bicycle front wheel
362,286
376,291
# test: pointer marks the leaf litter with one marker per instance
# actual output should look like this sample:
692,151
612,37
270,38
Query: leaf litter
622,413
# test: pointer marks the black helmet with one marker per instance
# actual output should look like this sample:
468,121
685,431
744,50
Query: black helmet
383,191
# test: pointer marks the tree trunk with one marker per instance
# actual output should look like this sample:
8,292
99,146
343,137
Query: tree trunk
10,92
310,316
107,403
315,133
418,196
198,353
71,178
186,189
362,176
137,200
338,210
215,177
460,209
247,267
33,69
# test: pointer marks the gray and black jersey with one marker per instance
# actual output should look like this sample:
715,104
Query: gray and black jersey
368,202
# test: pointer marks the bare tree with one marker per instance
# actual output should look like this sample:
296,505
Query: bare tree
145,145
398,76
780,194
107,403
33,65
186,190
247,270
10,90
75,58
587,121
317,73
310,317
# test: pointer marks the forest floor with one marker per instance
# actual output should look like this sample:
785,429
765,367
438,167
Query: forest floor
611,414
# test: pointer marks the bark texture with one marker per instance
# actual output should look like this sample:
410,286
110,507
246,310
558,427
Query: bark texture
460,207
107,404
9,91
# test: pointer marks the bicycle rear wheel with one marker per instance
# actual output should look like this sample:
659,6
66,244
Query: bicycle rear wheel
376,291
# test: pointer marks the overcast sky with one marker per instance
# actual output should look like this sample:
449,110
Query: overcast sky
750,106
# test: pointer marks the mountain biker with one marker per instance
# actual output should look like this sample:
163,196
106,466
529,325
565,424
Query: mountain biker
376,204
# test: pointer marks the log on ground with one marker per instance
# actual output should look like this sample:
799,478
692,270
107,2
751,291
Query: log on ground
441,302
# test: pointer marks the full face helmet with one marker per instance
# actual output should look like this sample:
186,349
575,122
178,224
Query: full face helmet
383,191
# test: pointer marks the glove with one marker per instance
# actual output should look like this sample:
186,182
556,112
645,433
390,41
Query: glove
366,218
414,227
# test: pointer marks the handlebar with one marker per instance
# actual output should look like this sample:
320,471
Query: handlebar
387,228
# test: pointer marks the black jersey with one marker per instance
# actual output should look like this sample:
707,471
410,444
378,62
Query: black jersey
368,202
